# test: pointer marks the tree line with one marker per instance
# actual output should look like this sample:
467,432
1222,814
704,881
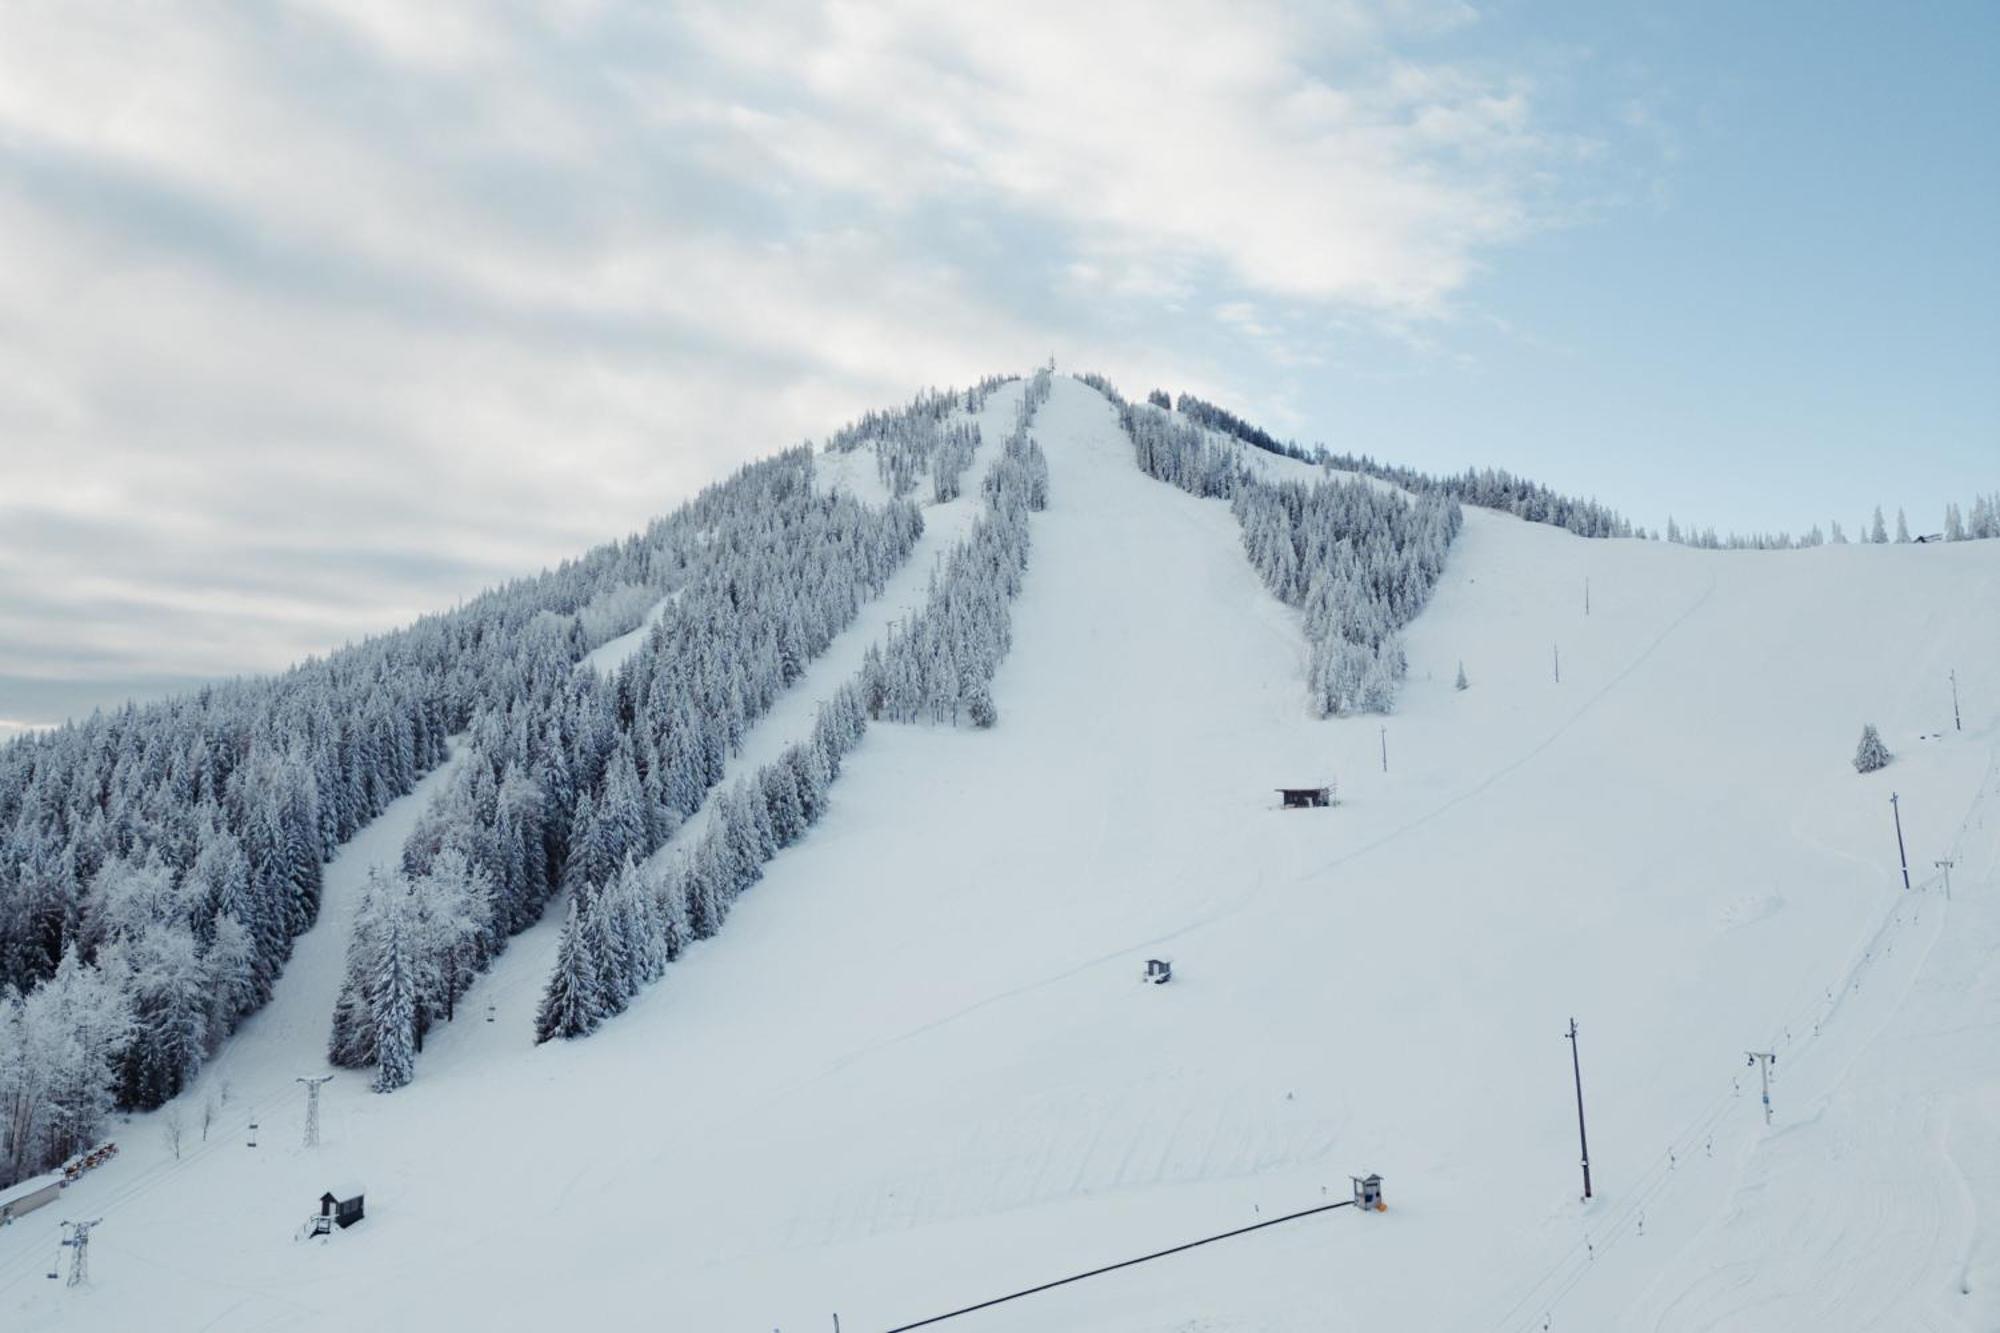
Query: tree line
1492,488
939,666
1357,559
157,862
573,775
1980,522
623,926
922,437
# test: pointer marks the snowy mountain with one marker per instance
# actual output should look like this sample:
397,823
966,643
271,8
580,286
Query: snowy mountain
770,896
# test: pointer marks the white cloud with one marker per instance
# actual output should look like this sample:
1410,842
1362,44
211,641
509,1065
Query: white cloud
1293,147
318,315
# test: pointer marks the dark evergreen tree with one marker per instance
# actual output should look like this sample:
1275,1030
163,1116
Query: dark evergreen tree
393,1011
572,1004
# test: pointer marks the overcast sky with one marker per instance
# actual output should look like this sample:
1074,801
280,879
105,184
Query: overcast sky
320,314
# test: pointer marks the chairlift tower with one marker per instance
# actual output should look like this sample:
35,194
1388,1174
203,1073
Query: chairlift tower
313,1085
1764,1060
76,1239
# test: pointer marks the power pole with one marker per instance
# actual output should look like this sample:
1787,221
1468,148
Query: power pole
1764,1060
1895,805
313,1085
1586,594
1956,724
1556,654
1385,747
77,1242
1576,1067
1946,865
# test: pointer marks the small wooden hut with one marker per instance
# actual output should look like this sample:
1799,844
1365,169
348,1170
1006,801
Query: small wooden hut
342,1207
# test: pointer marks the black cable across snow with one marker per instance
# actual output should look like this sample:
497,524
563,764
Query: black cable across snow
1127,1263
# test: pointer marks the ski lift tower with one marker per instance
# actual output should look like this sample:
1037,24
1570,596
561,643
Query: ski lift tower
312,1086
1764,1060
76,1239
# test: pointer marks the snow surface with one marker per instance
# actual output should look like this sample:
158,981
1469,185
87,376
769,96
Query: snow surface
918,1069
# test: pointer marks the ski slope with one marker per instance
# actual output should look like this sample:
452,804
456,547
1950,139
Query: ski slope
918,1070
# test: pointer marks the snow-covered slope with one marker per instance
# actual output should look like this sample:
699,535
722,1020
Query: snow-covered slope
918,1070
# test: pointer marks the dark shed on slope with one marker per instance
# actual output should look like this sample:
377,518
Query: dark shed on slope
1301,798
342,1205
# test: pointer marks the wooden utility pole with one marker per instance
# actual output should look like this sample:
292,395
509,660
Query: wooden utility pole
1555,654
1586,594
1583,1139
1956,724
1895,805
1385,747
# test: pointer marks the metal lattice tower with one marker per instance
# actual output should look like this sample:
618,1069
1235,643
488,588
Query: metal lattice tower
313,1085
77,1242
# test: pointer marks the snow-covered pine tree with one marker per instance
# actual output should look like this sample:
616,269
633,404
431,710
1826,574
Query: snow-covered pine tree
393,1008
639,921
572,1004
702,893
670,909
453,903
170,990
781,800
604,937
1871,754
979,707
231,963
